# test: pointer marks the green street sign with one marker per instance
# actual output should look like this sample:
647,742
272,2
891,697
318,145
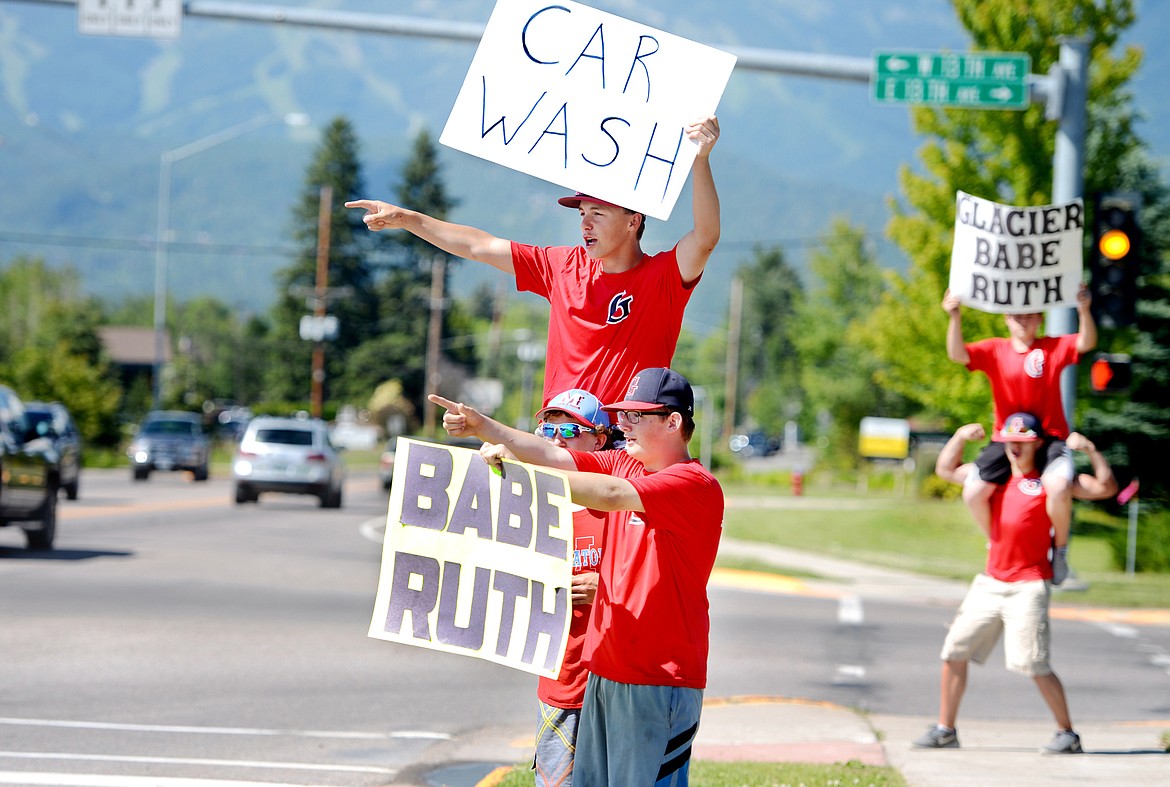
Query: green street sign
974,80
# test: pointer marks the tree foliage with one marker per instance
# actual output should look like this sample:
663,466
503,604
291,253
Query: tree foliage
1005,156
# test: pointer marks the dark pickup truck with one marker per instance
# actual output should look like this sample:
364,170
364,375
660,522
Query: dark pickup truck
28,474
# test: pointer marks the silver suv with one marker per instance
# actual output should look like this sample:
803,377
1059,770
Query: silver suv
170,440
288,455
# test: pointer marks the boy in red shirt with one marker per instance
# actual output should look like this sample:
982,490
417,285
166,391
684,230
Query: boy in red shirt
1024,371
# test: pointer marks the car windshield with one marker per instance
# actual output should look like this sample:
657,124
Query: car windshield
39,417
184,428
284,436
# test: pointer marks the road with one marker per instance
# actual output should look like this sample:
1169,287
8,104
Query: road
175,635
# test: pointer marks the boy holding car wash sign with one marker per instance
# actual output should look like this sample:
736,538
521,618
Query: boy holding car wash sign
606,107
1018,261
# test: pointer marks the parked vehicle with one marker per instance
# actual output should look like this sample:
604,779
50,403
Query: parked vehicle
170,440
288,455
753,444
28,474
66,440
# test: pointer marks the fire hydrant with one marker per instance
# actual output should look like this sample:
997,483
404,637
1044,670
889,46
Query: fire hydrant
797,483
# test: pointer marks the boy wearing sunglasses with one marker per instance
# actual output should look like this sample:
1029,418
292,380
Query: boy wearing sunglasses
647,643
575,421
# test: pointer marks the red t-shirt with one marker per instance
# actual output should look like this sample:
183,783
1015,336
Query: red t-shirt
1021,532
567,690
650,621
603,327
1027,382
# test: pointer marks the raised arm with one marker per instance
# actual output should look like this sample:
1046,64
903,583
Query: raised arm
1087,333
696,246
457,239
1101,484
956,347
949,465
461,419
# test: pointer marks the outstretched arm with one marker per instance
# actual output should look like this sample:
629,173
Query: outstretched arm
949,465
956,347
461,419
1087,333
696,246
1101,484
457,239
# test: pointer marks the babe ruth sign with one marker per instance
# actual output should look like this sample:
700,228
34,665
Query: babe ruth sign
476,563
587,100
1012,260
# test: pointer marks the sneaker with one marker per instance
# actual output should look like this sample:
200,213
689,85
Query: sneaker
1059,565
1064,742
938,738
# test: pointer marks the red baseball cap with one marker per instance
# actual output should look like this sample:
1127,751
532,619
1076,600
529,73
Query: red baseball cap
576,200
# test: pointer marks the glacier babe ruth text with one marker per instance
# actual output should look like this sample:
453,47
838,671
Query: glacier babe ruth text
474,562
587,100
1016,260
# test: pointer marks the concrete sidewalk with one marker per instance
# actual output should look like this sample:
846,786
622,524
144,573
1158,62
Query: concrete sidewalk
1004,753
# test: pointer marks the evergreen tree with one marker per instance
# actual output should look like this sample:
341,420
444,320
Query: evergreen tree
353,299
1000,155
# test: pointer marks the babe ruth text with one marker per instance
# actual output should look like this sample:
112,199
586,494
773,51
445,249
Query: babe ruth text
1016,258
460,504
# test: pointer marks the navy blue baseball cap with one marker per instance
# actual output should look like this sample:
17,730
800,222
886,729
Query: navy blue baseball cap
655,388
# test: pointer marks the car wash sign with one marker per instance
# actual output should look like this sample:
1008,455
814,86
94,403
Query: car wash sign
475,562
1013,260
587,100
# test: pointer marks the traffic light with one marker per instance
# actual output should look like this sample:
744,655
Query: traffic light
1110,373
1114,260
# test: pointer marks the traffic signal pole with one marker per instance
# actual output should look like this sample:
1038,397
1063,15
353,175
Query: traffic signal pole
1066,101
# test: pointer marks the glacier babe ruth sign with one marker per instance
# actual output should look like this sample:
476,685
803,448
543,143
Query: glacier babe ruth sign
1012,260
476,563
587,100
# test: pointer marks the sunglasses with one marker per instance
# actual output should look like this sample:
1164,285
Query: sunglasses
632,417
563,431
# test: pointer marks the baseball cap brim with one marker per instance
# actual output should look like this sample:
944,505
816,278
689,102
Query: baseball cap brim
1020,438
576,200
634,404
575,416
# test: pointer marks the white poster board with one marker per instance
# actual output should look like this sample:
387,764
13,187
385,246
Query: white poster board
476,563
587,100
1013,260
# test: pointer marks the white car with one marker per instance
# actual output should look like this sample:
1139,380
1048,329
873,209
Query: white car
288,455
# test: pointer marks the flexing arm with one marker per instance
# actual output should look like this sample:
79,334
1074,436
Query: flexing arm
949,464
1101,483
1087,334
696,246
956,347
457,239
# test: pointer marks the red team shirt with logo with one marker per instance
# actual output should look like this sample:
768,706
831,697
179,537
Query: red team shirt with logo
567,690
1027,382
1020,531
650,621
603,327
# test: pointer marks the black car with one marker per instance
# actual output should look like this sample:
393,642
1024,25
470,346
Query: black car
66,440
170,440
28,474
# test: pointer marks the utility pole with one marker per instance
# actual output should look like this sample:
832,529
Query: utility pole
731,373
320,295
434,335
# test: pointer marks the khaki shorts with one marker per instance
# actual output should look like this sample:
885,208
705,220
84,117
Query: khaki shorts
1018,610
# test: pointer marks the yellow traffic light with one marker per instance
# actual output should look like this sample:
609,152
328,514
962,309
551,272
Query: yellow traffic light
1114,244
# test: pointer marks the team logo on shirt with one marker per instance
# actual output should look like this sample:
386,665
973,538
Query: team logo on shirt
1030,487
585,555
1034,364
619,307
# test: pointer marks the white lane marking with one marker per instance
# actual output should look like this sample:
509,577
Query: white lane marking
101,725
849,675
95,780
850,612
373,529
1119,630
292,766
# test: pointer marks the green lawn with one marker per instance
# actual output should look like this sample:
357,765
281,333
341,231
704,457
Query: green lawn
933,537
